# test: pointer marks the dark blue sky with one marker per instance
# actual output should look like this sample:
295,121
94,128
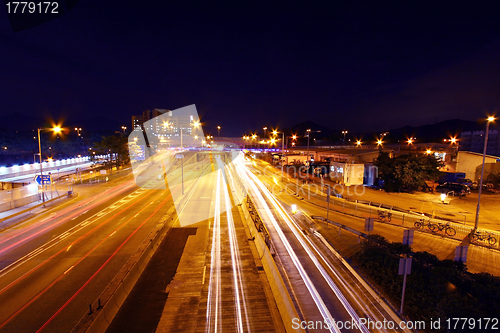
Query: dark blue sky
361,65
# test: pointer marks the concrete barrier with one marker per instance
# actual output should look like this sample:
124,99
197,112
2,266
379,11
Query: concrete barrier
283,301
19,202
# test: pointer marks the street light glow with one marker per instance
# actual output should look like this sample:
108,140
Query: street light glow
358,143
491,118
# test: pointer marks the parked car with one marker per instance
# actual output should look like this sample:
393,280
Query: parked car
465,181
475,186
455,188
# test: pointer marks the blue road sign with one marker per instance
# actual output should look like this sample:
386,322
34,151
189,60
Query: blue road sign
47,179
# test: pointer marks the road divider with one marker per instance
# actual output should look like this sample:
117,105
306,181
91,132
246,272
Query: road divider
264,248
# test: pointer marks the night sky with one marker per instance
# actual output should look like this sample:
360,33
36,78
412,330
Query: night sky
359,66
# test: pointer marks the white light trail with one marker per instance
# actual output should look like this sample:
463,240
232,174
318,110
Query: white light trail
215,268
318,300
233,244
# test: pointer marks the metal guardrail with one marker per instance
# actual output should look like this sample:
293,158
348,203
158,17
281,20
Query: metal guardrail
259,225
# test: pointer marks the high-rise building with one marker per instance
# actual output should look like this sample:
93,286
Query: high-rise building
169,128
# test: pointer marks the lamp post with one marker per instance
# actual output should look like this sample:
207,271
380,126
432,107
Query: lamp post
282,149
308,156
265,132
218,131
78,130
489,120
344,132
56,129
308,164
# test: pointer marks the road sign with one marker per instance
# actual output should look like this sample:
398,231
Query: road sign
369,224
47,179
404,266
461,253
408,237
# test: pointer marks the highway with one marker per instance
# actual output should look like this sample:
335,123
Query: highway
323,287
54,266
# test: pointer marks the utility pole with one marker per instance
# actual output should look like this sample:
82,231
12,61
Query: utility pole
490,119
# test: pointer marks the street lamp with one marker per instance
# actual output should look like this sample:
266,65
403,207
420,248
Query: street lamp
78,131
265,132
489,120
282,149
344,132
308,136
124,128
55,129
358,143
218,131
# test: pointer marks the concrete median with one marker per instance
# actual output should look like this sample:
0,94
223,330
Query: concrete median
282,298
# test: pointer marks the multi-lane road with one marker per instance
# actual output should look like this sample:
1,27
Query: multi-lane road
52,267
325,289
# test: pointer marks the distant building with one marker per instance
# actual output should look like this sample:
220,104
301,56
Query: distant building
168,128
348,173
470,163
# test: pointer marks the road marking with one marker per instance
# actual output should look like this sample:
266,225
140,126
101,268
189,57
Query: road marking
114,232
55,240
68,270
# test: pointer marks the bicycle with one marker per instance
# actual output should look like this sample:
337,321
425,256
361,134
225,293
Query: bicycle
435,227
486,236
420,224
384,216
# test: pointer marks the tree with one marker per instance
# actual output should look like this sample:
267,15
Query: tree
407,172
116,147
